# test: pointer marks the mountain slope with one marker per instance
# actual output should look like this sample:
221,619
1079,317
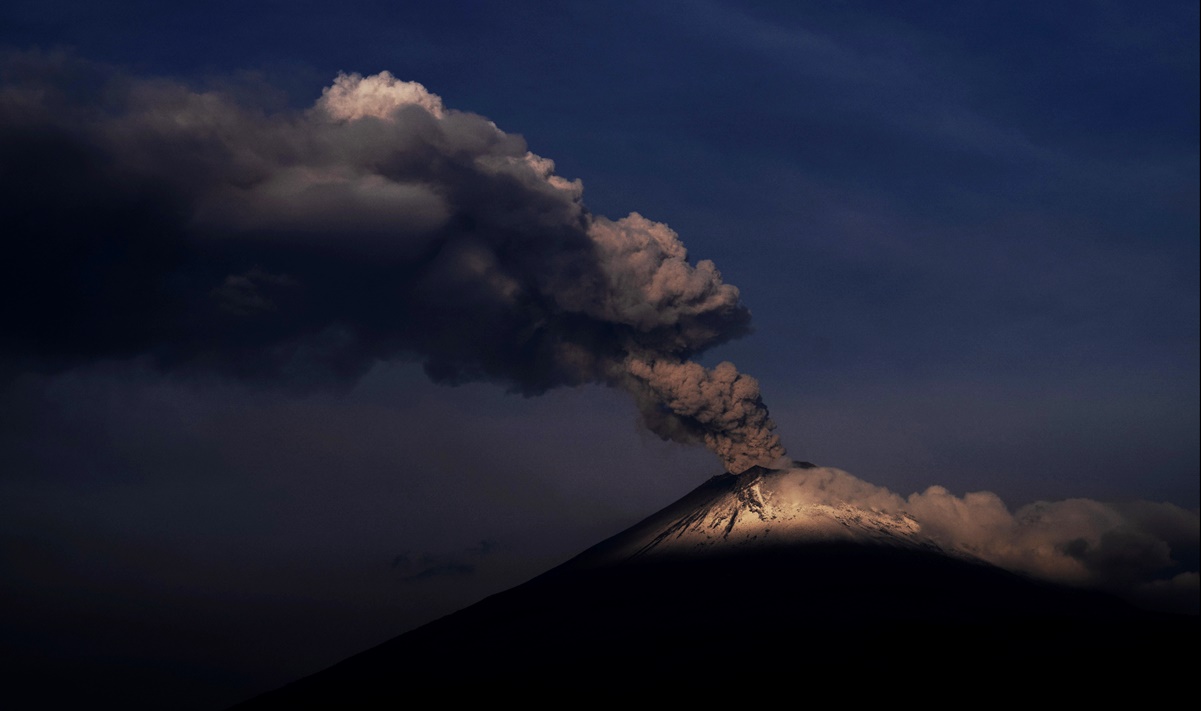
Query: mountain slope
737,576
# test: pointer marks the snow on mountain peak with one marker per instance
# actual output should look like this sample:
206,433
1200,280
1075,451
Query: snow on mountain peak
763,508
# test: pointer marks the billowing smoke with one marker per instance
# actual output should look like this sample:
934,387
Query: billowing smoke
145,219
720,407
1145,550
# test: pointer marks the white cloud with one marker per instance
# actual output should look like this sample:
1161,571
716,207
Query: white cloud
354,96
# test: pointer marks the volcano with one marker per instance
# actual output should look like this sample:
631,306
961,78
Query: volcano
747,581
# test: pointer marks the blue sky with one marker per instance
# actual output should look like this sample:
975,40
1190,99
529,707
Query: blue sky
967,235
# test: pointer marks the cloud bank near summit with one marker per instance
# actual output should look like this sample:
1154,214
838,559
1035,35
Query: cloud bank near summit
146,219
1143,550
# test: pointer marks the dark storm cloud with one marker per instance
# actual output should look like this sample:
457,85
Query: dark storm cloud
148,219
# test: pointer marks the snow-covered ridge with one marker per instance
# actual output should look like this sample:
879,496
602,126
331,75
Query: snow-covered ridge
757,509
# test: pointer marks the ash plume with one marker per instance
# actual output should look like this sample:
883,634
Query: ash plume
202,233
720,407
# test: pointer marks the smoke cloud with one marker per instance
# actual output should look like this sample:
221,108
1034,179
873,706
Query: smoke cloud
202,233
720,407
1145,550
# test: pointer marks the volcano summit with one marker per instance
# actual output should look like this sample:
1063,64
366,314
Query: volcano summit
758,510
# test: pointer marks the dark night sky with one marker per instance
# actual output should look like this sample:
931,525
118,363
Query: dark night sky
967,233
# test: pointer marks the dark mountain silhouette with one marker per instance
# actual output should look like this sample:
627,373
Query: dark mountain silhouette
718,595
